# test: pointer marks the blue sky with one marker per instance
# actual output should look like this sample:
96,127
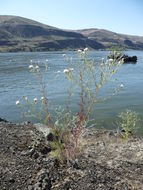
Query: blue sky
122,16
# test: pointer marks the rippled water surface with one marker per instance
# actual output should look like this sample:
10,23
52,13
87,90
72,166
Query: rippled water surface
16,81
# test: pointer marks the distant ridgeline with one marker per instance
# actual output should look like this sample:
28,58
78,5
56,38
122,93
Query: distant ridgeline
21,34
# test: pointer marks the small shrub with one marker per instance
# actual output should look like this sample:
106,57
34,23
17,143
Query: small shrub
129,121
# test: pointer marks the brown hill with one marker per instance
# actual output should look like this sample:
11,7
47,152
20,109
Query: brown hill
109,39
22,34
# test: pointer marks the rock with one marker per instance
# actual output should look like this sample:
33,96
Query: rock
30,187
26,123
3,120
45,149
123,131
35,155
76,166
125,58
28,152
12,180
43,128
47,132
50,137
44,181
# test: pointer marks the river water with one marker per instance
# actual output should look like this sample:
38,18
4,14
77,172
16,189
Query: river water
16,81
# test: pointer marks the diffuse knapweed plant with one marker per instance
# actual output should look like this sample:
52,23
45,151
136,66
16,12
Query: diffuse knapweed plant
88,79
30,108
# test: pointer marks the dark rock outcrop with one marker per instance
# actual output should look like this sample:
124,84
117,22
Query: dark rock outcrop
131,59
3,120
125,58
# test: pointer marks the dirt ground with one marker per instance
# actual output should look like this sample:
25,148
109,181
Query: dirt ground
106,161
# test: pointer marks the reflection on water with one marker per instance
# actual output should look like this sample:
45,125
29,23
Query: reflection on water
16,81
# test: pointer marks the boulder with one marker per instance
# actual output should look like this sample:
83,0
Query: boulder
128,59
2,120
125,58
46,131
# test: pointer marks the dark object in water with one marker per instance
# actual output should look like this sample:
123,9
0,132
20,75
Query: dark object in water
125,58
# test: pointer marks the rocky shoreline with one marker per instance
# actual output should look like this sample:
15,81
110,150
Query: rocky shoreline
105,162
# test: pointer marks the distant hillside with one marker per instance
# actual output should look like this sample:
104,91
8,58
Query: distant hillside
21,34
109,39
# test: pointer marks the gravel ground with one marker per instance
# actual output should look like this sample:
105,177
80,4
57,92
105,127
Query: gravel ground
106,161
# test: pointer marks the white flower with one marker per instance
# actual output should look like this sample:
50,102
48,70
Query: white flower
71,69
17,102
58,71
46,60
66,71
86,49
42,98
64,55
35,100
111,60
102,59
121,86
31,67
79,50
121,61
37,67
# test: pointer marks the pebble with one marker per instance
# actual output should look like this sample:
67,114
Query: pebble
11,180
